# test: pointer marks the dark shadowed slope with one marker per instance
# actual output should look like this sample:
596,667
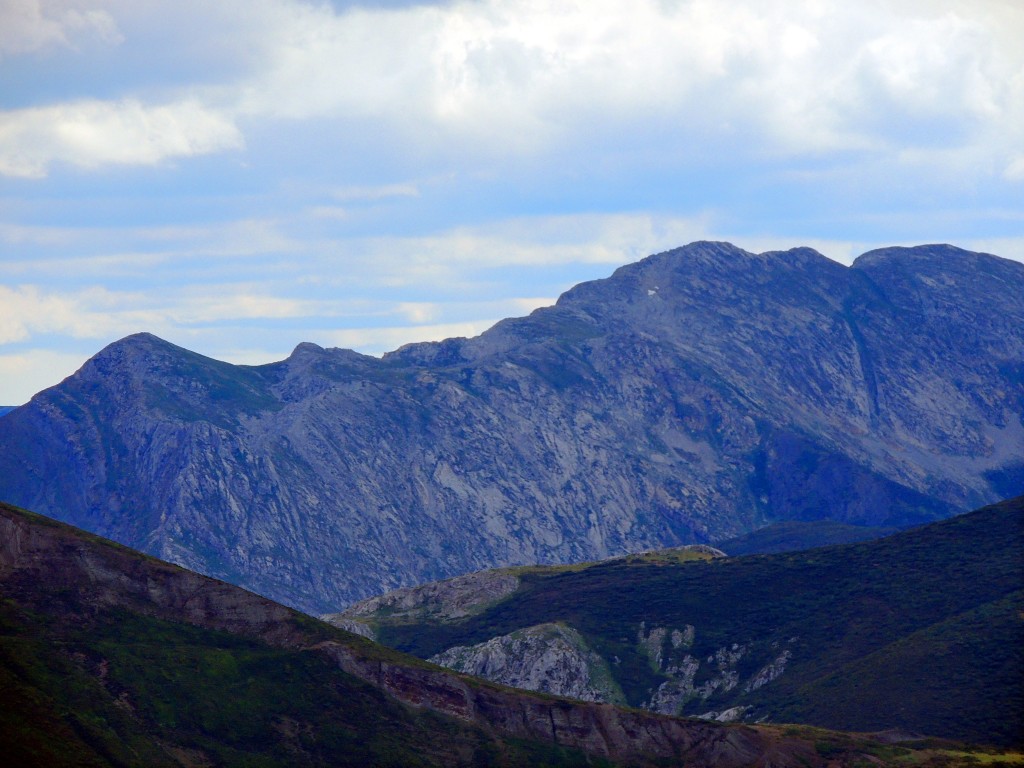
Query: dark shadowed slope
693,396
795,535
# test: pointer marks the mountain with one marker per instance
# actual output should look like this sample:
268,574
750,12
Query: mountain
921,631
110,658
691,397
4,409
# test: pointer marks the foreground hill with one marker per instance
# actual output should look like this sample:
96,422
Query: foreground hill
923,630
691,397
109,658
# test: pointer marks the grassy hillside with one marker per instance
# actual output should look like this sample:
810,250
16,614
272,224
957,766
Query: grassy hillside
132,690
921,630
94,677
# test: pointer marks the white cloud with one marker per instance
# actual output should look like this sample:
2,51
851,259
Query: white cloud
29,25
513,76
92,313
504,77
91,133
226,303
25,373
1015,169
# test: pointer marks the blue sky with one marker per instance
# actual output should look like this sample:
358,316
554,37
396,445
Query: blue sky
243,175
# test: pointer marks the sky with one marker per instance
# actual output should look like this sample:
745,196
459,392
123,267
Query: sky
240,176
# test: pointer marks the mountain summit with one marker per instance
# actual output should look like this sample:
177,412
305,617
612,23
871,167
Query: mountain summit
693,396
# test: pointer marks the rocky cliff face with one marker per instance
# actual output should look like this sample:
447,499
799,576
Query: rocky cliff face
554,658
691,397
549,658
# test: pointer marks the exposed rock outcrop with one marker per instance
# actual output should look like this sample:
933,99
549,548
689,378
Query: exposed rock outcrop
549,658
669,654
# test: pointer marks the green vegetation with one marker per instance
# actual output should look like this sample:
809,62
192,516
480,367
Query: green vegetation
127,689
921,630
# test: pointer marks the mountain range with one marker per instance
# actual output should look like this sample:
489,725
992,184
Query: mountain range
695,396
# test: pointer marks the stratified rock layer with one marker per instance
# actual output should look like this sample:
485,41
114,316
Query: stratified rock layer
691,397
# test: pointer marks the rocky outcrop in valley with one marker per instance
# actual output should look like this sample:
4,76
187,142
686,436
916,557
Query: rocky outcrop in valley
548,658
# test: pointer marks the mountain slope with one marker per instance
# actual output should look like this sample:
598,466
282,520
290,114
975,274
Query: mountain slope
691,397
108,658
923,630
794,535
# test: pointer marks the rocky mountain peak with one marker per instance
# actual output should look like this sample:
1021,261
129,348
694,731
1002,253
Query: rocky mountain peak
306,349
935,279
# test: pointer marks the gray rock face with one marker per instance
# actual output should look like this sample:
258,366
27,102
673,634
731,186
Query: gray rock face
555,659
691,397
550,658
669,653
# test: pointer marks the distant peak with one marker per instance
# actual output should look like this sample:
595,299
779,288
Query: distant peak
934,252
142,337
136,342
719,254
306,348
705,248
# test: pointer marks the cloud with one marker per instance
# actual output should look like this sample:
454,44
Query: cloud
25,373
1015,169
30,25
1007,247
89,134
93,313
506,80
806,76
